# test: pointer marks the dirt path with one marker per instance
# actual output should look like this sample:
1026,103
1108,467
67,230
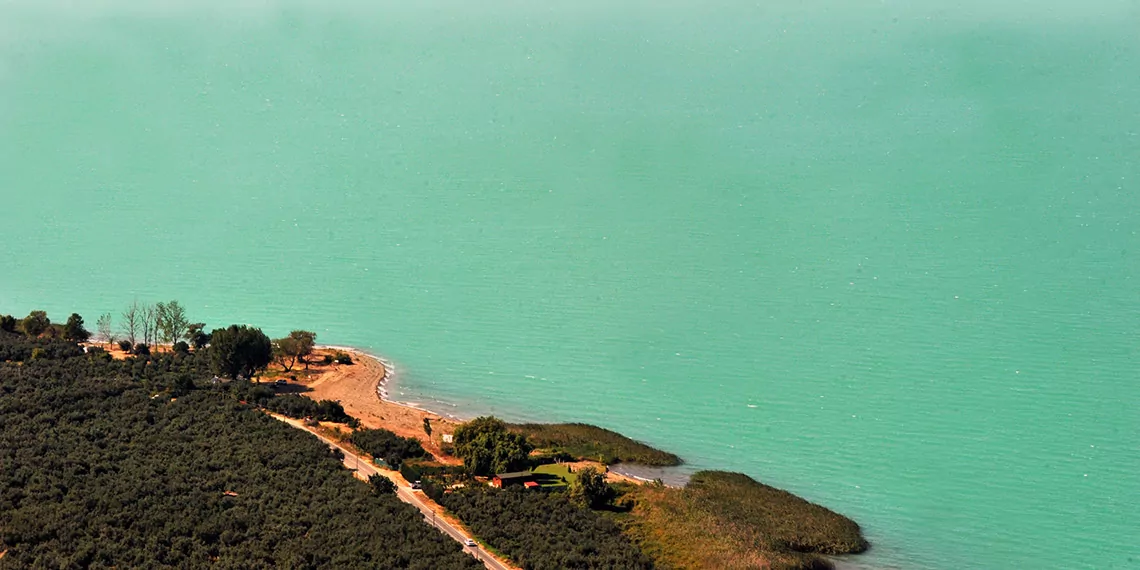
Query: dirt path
433,513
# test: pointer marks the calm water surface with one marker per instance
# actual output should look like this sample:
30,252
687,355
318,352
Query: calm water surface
883,254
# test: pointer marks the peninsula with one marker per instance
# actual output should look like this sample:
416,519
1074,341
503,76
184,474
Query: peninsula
534,496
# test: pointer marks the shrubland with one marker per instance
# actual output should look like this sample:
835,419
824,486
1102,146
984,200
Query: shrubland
300,407
145,463
387,446
543,531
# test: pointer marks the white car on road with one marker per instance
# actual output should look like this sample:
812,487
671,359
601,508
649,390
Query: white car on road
470,542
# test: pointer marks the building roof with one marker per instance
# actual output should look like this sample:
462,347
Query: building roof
515,475
530,484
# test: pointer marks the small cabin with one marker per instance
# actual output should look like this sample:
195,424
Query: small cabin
507,479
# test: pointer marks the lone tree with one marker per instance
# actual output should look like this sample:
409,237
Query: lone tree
172,323
103,325
149,322
381,485
239,351
74,330
487,447
197,336
36,323
294,347
132,322
590,489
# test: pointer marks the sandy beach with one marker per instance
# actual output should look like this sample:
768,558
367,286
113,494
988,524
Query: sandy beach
357,388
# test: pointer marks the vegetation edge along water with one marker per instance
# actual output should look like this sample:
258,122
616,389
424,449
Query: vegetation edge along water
577,519
585,441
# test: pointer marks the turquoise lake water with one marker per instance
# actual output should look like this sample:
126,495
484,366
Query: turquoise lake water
882,254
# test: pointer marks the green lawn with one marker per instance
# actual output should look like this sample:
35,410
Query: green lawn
552,475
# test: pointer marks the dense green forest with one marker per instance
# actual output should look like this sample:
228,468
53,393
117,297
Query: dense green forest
544,531
145,463
385,445
300,407
19,347
487,447
584,441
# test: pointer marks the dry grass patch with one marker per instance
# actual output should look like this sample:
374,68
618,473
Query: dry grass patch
728,520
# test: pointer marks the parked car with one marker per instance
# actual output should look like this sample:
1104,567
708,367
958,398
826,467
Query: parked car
416,484
281,382
470,542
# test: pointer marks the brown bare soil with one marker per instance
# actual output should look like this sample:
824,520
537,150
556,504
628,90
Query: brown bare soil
117,354
355,387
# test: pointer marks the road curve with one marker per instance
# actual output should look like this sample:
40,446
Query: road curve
364,469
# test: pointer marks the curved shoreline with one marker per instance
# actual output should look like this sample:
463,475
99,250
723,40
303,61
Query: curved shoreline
387,379
672,476
385,412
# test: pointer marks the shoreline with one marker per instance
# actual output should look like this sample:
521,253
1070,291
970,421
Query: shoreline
361,388
363,384
365,391
387,379
376,408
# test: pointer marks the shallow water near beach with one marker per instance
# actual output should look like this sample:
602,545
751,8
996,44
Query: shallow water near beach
881,254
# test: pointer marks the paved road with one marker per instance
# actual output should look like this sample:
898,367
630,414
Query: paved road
365,469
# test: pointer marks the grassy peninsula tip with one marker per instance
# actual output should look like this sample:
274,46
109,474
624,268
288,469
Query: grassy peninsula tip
584,441
729,520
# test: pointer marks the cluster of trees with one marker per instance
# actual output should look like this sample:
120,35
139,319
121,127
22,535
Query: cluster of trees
536,529
487,447
100,473
431,471
300,407
386,445
590,489
151,324
17,347
142,324
293,348
37,324
382,485
239,351
543,531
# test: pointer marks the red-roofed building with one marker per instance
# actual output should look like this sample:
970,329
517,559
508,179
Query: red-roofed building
506,479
